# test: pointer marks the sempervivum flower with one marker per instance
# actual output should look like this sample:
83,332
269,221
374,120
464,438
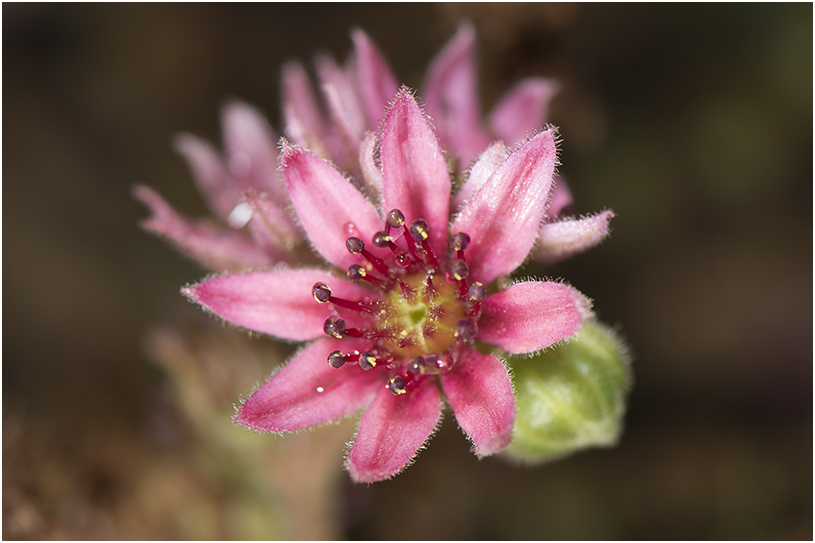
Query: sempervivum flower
416,293
244,193
354,97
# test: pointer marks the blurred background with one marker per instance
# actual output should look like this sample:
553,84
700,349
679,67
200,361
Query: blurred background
692,122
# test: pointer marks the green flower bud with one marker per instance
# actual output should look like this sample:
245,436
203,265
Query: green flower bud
571,397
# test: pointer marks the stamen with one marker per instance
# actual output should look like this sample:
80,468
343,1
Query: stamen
431,364
420,231
466,330
367,361
354,245
322,293
334,327
336,359
476,294
357,246
358,273
383,240
414,247
458,269
459,242
410,333
396,218
397,385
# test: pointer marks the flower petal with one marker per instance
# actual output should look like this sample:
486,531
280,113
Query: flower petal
213,247
376,82
451,97
483,168
308,391
560,201
416,180
219,188
523,109
271,226
349,105
329,207
370,171
479,390
530,316
564,238
305,123
251,149
503,218
392,430
278,303
346,133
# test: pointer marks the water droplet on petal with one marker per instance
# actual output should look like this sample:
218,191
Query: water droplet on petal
320,389
351,230
240,216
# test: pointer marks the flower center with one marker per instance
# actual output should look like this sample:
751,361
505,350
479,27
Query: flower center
423,322
420,317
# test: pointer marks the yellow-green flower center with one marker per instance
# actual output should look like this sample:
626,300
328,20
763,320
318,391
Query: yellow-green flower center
421,320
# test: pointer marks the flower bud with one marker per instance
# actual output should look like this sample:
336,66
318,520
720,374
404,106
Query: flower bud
571,397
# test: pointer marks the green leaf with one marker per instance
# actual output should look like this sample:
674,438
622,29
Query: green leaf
571,397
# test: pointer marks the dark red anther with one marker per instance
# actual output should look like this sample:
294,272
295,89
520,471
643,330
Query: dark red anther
475,295
466,330
395,219
458,271
367,361
334,327
356,246
322,293
336,359
358,273
383,240
431,364
420,231
459,242
398,384
477,292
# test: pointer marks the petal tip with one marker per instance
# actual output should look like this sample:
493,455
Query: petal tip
191,293
494,445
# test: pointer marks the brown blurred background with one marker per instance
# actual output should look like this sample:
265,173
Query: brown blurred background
692,122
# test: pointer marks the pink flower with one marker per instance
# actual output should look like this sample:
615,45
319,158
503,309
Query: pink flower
244,193
418,292
253,228
356,95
